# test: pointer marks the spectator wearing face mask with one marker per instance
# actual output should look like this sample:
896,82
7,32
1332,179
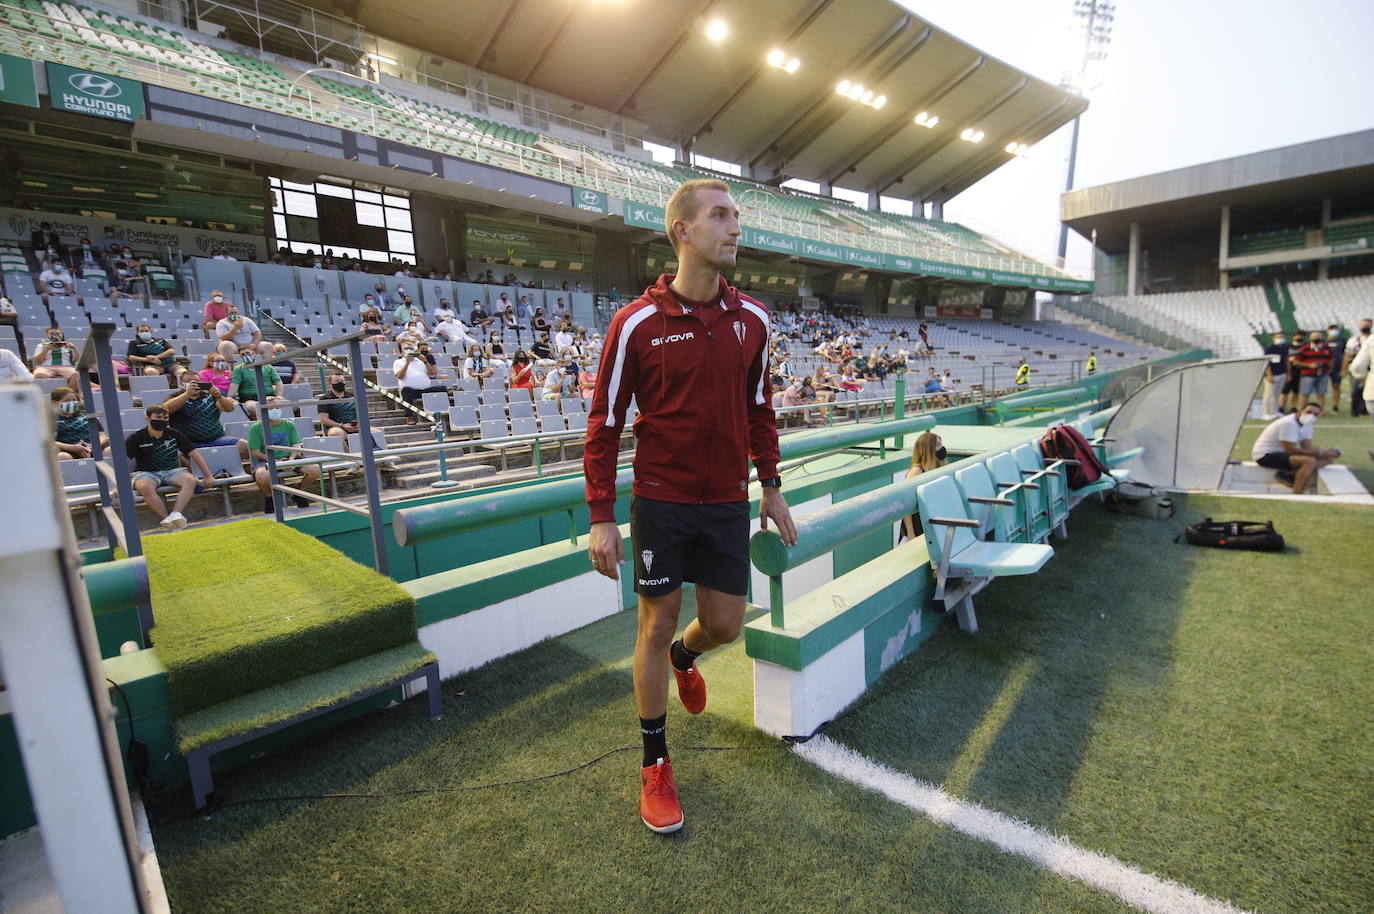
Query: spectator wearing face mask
286,369
405,313
216,310
55,358
339,419
418,374
124,283
496,350
478,318
1288,398
237,328
71,428
57,282
87,259
218,371
1275,376
1314,363
450,327
283,437
155,452
243,384
1335,344
152,355
927,454
1286,445
12,369
197,410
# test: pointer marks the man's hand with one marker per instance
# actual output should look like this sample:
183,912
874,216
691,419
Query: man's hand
606,549
208,481
775,506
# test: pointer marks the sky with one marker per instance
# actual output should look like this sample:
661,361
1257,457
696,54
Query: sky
1185,82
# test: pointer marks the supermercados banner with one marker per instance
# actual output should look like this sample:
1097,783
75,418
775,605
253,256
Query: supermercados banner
19,224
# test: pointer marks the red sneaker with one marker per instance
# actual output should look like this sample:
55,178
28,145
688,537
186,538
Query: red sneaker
691,688
658,805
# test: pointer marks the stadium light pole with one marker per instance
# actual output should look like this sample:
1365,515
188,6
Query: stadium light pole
1095,18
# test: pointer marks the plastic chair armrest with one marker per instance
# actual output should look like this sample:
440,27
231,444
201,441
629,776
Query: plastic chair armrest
955,522
980,500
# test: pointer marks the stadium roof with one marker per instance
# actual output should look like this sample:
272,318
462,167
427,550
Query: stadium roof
651,60
1193,196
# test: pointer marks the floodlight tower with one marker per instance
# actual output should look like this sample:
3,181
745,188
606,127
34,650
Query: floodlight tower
1094,19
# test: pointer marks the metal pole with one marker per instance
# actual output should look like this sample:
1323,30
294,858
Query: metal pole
1068,186
267,443
374,500
443,481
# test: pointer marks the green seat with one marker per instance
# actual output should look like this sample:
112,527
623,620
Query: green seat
964,564
1006,476
1055,487
1000,521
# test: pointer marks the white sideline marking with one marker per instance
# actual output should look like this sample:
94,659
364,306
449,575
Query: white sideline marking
1142,890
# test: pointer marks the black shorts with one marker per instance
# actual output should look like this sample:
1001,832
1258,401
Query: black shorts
1290,384
703,544
1275,460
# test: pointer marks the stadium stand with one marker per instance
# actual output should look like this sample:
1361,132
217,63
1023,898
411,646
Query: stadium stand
108,41
1224,321
1344,301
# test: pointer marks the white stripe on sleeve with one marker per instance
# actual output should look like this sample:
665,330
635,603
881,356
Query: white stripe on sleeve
762,315
626,331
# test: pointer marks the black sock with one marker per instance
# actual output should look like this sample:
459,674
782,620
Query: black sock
682,656
655,734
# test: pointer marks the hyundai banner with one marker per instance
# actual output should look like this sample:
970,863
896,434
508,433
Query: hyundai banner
96,94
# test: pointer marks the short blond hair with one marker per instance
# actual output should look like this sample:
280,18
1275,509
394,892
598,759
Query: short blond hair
683,203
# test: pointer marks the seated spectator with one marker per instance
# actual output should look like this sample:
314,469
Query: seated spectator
418,374
1286,445
444,312
555,381
373,326
286,369
217,371
369,304
563,339
508,322
125,283
479,318
927,454
216,310
451,328
340,419
496,350
950,386
933,386
87,259
522,310
155,452
502,304
12,369
152,355
405,313
848,381
57,282
586,379
55,358
413,332
594,346
522,372
476,366
196,412
72,428
220,253
398,295
542,350
560,313
43,239
539,323
238,328
243,384
284,438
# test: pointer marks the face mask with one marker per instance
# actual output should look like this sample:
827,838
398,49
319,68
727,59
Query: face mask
218,298
157,425
1279,341
233,315
69,407
85,247
55,337
144,335
1307,419
220,364
248,358
941,453
274,414
122,272
338,388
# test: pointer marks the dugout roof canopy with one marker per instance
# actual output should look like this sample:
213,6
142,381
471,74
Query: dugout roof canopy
652,61
1193,196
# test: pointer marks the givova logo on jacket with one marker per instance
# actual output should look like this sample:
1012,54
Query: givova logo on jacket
673,338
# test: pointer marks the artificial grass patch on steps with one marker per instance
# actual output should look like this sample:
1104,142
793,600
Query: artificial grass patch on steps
245,606
318,690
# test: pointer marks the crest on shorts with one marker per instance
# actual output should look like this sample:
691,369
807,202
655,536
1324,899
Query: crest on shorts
648,556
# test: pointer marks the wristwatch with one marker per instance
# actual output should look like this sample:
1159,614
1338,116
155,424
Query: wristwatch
773,482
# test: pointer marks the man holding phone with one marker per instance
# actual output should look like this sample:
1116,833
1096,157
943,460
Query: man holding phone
196,410
340,419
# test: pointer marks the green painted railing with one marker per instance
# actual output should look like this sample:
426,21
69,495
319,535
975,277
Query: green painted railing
117,585
1031,403
424,523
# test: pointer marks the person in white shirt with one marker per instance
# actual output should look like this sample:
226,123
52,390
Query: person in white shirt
12,370
476,366
443,312
1286,445
563,339
417,374
57,282
222,254
553,381
238,329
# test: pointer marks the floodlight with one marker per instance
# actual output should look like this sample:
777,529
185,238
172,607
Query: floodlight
933,121
966,133
978,137
792,65
1011,147
843,87
716,29
776,57
382,58
879,102
867,97
855,91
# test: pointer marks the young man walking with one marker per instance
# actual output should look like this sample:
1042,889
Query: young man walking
693,353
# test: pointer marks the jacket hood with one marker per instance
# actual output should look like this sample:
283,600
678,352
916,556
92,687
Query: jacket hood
667,303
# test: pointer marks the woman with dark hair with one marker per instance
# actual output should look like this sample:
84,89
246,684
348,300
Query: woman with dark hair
926,454
522,372
539,322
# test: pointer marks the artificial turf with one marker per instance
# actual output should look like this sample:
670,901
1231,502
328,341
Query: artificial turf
1202,715
246,606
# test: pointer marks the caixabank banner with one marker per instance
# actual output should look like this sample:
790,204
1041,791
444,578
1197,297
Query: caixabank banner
96,94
